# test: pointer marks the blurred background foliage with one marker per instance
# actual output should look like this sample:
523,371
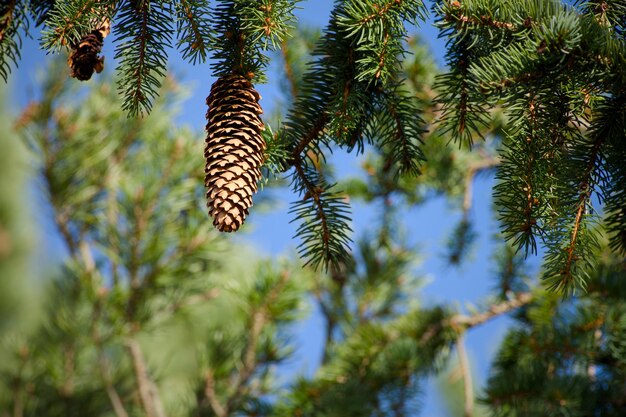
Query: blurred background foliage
148,311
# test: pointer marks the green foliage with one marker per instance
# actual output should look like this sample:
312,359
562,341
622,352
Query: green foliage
12,19
555,70
244,30
194,32
16,237
67,22
143,58
141,266
348,96
151,313
565,357
233,32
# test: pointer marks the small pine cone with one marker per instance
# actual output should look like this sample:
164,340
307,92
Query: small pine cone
84,59
234,150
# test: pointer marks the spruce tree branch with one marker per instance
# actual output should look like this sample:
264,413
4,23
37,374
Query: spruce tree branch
148,391
64,35
463,64
198,43
7,19
211,395
60,217
314,192
250,362
585,188
461,321
141,62
139,285
103,364
249,356
468,390
313,134
382,56
493,311
380,12
484,21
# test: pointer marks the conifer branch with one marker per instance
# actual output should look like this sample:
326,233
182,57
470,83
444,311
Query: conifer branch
474,169
288,68
314,192
6,19
585,188
564,270
468,390
12,18
249,360
483,20
313,134
144,29
193,29
465,322
148,391
211,395
103,365
493,311
68,22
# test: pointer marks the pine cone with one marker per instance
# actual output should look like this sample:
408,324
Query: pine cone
234,150
84,59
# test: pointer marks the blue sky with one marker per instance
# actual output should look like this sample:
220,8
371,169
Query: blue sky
429,225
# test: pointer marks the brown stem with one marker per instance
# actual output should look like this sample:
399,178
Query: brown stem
461,321
484,21
493,311
474,169
314,192
585,195
198,40
380,11
148,391
7,19
313,134
103,364
249,358
468,390
293,87
211,395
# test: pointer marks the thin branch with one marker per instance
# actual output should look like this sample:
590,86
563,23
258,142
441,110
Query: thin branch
198,43
7,19
148,391
61,33
313,134
211,395
461,321
468,389
103,364
249,359
293,86
313,191
484,20
18,391
493,311
380,12
485,164
585,194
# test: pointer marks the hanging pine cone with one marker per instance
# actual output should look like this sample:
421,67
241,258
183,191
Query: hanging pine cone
234,150
84,59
